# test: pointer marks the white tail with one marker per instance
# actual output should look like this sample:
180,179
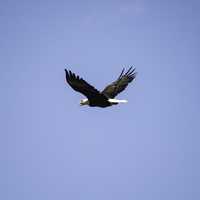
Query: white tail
117,101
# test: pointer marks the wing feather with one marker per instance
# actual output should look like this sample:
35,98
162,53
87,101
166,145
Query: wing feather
80,85
120,84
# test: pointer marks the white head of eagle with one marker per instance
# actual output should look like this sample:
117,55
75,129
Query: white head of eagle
105,98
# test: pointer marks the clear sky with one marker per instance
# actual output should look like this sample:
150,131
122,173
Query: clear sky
51,148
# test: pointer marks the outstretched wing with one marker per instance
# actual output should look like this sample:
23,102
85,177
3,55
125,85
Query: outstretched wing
120,84
80,85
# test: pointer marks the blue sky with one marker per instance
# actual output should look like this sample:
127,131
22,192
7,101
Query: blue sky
51,148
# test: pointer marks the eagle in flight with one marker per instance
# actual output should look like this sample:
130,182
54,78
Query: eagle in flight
105,98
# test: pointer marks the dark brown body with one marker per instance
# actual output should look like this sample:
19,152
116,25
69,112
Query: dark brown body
100,102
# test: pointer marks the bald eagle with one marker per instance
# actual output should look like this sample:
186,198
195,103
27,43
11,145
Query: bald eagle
96,98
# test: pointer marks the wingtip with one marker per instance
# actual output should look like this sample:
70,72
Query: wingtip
66,72
122,72
131,71
134,75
